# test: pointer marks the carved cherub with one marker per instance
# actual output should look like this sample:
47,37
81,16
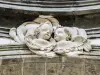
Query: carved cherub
43,44
62,37
43,37
65,44
61,34
37,35
28,28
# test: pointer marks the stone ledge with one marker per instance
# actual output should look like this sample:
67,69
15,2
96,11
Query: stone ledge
39,59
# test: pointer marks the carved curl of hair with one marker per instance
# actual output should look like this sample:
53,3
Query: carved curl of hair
37,31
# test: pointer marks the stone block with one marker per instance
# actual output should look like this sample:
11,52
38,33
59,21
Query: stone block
71,69
92,67
40,68
54,60
51,69
13,69
59,68
35,59
31,68
38,59
92,61
73,60
12,61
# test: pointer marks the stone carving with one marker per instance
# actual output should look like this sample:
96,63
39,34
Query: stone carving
45,18
7,41
61,33
42,44
46,37
28,28
23,30
44,31
64,47
71,39
42,38
13,34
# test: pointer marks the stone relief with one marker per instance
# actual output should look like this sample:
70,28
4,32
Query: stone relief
47,38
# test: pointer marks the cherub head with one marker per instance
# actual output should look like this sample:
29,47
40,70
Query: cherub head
45,30
61,34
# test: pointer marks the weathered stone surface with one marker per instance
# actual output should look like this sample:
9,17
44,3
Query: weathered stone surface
71,69
54,7
40,68
68,66
0,70
38,59
72,66
87,21
29,68
92,67
35,59
12,69
12,61
73,60
59,68
32,68
92,61
51,69
54,60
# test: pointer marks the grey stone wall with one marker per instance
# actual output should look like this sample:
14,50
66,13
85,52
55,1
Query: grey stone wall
46,66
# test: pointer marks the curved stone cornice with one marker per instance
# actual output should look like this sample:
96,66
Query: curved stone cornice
77,7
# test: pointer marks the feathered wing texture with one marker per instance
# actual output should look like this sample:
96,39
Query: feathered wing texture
23,30
81,35
20,33
13,34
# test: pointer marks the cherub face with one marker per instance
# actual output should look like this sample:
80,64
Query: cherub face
60,34
45,31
